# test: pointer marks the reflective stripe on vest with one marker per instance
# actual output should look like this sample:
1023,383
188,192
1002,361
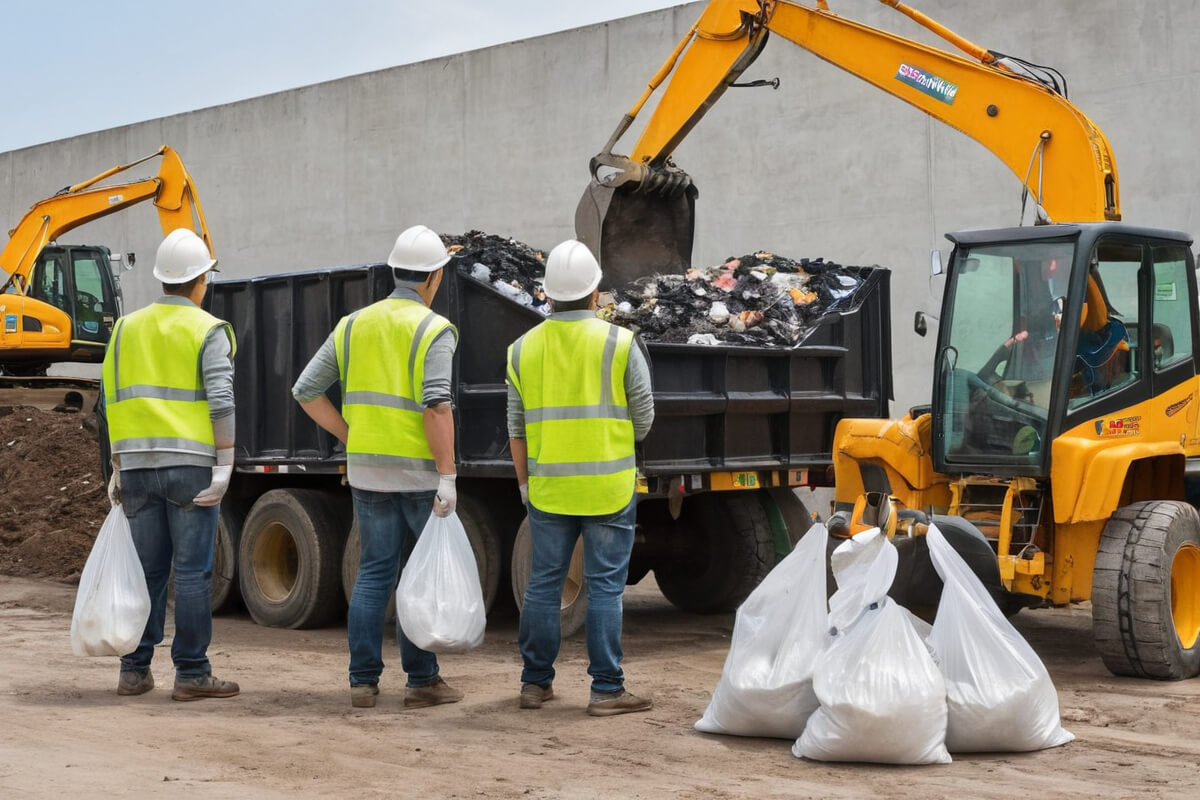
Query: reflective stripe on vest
381,363
154,384
570,375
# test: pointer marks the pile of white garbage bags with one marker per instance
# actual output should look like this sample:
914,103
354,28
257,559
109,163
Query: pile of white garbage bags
866,680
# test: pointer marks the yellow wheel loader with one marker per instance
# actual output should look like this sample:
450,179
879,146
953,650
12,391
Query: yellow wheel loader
1057,451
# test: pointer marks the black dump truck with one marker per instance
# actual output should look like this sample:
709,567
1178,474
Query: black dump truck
737,428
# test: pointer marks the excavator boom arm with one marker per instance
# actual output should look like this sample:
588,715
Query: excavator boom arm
1060,156
171,190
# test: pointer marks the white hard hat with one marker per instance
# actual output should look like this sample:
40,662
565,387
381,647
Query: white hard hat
572,272
181,257
418,249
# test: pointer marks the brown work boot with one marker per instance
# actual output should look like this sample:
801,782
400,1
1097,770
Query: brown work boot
607,704
363,696
433,694
135,682
202,688
532,695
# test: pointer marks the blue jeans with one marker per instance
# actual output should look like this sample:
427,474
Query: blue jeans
607,543
389,524
168,530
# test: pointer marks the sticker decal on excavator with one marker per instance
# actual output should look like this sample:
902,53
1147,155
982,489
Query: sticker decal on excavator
932,85
1125,426
10,323
1178,406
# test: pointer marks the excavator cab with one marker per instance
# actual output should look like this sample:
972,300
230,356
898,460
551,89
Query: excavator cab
79,280
1041,333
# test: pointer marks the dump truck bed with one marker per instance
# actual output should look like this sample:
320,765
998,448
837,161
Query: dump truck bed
717,408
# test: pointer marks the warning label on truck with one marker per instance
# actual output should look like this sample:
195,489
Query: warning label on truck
932,85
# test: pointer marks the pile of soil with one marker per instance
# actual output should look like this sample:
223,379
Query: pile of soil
54,497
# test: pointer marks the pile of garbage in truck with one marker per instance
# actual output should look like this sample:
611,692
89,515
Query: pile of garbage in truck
759,299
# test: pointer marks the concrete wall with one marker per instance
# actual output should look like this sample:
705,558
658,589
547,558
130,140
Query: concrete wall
499,140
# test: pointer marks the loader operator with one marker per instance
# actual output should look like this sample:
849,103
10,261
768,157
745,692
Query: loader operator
393,361
168,400
578,398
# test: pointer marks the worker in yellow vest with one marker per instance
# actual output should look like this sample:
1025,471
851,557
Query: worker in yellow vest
392,360
167,399
579,396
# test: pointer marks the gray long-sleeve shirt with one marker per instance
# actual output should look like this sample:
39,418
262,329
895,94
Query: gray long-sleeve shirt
638,391
216,367
322,372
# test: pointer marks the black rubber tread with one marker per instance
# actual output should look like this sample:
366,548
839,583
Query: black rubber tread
1132,623
574,614
316,521
732,549
225,590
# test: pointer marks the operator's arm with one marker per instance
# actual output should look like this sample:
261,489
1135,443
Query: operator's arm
516,435
435,396
309,391
639,393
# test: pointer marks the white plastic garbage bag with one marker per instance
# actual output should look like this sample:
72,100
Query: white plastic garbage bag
881,696
999,694
112,604
439,601
765,688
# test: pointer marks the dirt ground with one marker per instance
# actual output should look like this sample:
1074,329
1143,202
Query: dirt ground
292,730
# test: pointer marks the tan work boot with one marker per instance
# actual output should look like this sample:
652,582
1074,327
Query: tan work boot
202,688
134,682
532,695
434,694
363,696
608,704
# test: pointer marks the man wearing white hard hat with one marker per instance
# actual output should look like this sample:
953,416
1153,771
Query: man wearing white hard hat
168,401
579,397
393,361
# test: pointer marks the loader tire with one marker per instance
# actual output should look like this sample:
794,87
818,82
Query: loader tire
574,594
225,594
290,558
731,549
1146,591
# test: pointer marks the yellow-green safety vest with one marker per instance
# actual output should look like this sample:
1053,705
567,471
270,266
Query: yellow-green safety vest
154,383
381,363
570,375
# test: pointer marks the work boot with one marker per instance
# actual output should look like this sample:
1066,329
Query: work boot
532,695
363,695
201,688
135,682
607,704
433,694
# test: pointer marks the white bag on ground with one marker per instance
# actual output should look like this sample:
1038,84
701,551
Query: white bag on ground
765,688
999,694
881,696
112,604
439,601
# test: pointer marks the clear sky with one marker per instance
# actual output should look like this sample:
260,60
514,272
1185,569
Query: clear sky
83,65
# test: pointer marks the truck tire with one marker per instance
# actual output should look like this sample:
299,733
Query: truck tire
1146,591
731,549
225,594
350,559
290,559
485,543
574,596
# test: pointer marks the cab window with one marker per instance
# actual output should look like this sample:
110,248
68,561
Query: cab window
1104,354
1171,330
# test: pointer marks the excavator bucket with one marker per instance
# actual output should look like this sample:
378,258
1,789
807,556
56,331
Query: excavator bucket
635,234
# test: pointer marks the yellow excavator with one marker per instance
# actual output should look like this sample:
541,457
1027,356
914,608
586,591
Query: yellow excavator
58,302
1059,451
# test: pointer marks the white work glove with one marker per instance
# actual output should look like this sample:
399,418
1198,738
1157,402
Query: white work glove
114,487
447,496
221,474
523,488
